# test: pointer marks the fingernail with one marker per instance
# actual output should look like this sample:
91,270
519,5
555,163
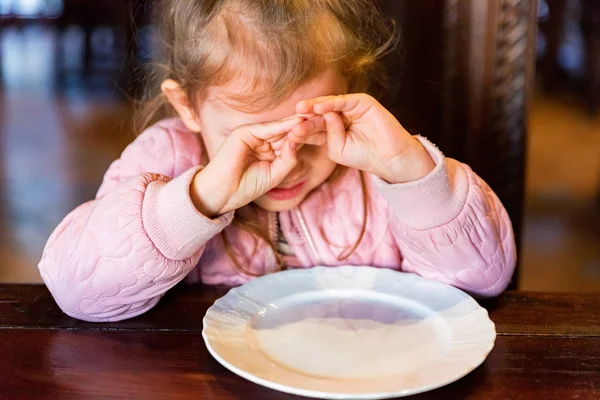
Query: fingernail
292,118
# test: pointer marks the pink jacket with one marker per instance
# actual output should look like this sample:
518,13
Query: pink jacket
114,257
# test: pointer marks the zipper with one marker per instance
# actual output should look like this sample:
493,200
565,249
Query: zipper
307,236
273,235
272,226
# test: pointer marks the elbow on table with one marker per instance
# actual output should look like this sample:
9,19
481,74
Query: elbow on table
90,310
490,282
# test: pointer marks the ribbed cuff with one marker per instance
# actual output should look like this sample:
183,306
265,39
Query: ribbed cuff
175,226
431,201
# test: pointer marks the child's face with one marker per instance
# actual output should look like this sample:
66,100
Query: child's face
216,121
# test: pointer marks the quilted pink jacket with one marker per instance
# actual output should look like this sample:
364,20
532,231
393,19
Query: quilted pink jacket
114,257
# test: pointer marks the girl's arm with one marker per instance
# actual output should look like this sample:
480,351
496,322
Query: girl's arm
114,257
447,222
451,227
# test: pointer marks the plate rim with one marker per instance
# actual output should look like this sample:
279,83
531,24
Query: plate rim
339,395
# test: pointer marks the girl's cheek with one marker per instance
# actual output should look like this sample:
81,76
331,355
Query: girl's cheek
316,151
314,155
212,144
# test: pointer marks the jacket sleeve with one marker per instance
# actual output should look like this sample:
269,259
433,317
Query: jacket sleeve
451,227
114,257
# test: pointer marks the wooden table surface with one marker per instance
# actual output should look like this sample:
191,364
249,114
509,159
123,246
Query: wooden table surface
548,347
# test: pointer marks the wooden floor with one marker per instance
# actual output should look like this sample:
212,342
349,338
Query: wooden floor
54,149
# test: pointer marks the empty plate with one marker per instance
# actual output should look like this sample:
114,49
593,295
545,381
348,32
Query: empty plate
348,332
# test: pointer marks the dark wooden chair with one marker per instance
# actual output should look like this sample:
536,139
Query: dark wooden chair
463,78
590,27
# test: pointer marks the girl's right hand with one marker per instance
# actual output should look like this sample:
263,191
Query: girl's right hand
252,160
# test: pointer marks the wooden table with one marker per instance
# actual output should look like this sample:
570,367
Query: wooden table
548,347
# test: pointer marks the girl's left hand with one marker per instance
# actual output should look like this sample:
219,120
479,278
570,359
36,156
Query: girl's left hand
360,133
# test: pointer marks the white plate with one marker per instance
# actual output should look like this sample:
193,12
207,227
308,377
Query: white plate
348,332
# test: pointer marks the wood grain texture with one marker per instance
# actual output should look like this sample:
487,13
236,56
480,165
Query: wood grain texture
548,347
59,364
182,309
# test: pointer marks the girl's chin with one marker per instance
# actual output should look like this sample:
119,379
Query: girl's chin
269,204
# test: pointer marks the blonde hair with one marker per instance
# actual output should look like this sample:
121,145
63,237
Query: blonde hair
271,47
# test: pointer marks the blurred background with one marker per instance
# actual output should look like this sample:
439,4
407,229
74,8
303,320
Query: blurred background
68,73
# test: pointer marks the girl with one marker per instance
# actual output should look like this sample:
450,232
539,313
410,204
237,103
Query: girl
272,158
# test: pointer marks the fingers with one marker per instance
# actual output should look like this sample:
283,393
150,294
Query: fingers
350,103
278,142
310,126
258,137
272,130
311,131
307,106
317,139
284,164
336,134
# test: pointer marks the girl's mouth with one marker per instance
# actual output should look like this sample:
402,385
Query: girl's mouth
286,193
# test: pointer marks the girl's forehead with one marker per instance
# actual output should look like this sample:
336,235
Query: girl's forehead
326,84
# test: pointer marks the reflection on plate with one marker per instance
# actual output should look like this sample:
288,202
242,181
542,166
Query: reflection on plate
348,332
